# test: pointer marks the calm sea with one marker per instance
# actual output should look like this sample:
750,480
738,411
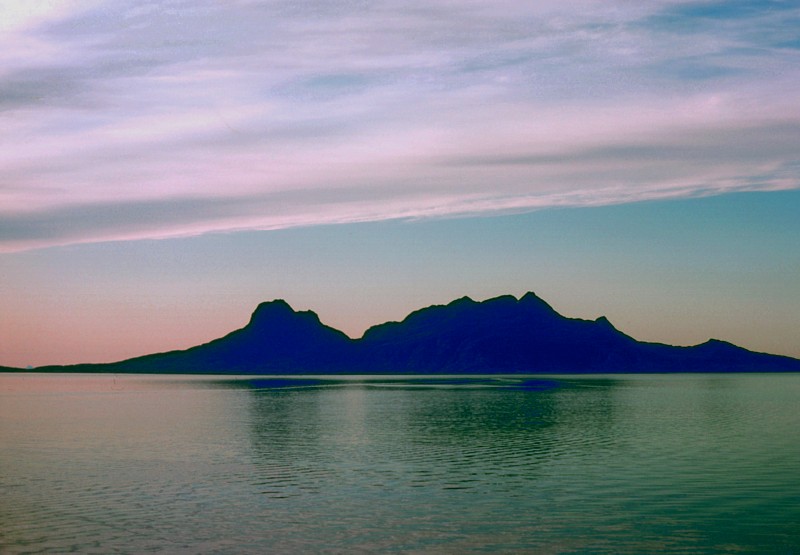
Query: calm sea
563,464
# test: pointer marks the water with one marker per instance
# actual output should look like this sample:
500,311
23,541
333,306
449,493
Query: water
135,464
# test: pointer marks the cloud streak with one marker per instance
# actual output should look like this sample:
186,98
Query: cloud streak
130,121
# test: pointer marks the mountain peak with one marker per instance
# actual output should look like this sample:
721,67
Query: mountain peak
531,300
718,344
279,312
602,320
277,306
463,300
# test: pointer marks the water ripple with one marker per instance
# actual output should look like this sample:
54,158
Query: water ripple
600,464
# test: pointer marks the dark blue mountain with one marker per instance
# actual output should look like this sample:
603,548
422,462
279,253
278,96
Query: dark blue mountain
506,335
500,335
277,340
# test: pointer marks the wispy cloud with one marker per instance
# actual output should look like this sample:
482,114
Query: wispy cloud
124,120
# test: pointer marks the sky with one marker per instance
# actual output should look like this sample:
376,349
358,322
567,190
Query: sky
164,167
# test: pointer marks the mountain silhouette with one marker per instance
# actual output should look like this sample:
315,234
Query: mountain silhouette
500,335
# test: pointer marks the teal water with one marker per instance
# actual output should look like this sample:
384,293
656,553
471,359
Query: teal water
563,464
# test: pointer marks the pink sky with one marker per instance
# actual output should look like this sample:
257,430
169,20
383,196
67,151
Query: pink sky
148,123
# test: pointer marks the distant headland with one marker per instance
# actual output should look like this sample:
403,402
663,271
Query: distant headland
503,335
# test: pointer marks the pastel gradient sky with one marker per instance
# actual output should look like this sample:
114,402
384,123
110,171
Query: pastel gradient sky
164,167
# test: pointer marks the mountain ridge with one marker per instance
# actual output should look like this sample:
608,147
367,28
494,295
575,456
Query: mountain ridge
499,335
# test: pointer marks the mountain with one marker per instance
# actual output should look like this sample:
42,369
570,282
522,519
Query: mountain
506,335
277,340
501,335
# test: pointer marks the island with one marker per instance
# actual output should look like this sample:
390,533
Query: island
502,335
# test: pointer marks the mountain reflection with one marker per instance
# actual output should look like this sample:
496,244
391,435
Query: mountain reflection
368,464
450,433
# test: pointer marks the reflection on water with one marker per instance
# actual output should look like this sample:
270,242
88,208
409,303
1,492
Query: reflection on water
689,463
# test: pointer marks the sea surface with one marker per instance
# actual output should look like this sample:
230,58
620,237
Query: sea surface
375,464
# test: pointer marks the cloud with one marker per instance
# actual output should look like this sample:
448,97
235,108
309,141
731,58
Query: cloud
125,120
